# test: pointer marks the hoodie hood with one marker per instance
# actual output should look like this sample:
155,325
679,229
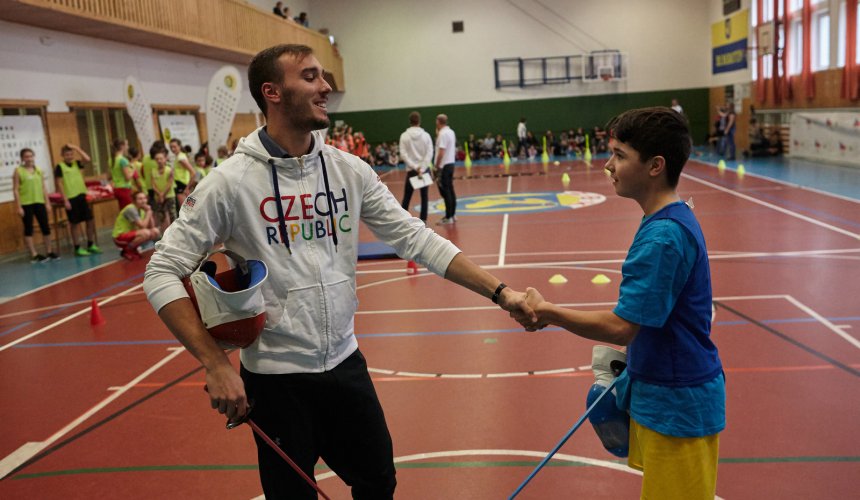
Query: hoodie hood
251,145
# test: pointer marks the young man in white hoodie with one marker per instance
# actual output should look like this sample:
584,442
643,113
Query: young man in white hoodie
416,150
290,200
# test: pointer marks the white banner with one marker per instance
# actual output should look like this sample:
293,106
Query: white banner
182,127
140,112
17,133
222,99
833,136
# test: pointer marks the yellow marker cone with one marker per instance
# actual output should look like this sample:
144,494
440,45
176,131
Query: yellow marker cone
721,166
600,279
558,280
468,161
587,156
741,170
506,158
544,157
565,179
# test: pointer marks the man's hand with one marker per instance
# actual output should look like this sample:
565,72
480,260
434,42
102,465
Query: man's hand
68,204
227,392
515,303
536,302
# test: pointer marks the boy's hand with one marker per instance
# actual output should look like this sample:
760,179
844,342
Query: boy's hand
515,303
536,303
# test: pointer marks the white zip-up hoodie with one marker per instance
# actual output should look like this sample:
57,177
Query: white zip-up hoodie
310,294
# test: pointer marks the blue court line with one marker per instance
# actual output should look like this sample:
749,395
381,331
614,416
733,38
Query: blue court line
415,334
61,309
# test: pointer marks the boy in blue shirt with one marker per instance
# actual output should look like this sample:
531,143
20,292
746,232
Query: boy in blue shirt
673,387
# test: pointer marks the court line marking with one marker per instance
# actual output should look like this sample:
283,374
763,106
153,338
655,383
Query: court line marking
785,211
31,449
504,238
68,318
519,453
785,183
824,321
55,306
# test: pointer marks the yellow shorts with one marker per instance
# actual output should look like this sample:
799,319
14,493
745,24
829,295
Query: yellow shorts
674,467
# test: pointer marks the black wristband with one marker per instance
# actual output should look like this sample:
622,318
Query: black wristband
495,297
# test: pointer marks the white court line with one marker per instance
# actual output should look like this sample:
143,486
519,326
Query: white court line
504,239
67,278
69,317
569,304
48,308
776,207
824,321
786,183
29,450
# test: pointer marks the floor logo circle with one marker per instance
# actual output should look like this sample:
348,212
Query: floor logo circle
489,204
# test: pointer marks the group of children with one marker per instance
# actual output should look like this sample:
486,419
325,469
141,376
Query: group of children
148,190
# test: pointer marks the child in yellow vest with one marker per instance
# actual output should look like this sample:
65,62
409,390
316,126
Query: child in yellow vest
28,185
162,187
134,226
70,183
202,165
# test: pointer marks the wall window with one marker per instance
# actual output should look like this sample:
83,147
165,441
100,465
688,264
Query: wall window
820,40
795,47
98,127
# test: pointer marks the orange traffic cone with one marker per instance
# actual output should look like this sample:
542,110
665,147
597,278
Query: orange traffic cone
96,318
411,267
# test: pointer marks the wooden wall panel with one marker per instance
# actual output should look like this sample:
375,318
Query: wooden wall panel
62,129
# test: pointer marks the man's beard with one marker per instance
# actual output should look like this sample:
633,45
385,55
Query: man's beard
304,123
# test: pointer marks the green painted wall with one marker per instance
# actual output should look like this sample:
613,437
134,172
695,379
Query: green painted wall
555,114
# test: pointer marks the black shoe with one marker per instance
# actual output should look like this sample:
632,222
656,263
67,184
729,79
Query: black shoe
38,258
53,256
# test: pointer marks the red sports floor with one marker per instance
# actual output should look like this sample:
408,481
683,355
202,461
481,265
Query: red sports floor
473,403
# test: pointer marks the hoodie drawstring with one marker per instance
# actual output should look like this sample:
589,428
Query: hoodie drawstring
281,220
328,196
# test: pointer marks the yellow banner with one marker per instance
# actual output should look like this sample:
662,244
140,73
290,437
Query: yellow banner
733,29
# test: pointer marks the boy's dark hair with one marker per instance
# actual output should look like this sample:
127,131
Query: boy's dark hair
157,146
65,148
657,131
118,143
25,150
264,68
133,152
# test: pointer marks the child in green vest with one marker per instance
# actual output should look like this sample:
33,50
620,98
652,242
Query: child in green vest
122,173
162,187
28,185
134,226
70,183
184,174
202,165
138,180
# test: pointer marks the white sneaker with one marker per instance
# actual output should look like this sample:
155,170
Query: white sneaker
444,221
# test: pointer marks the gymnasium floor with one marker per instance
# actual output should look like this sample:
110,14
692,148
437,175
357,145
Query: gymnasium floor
473,403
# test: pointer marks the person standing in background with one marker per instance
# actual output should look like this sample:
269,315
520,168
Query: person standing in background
184,175
70,183
121,173
446,150
28,186
416,151
522,133
677,107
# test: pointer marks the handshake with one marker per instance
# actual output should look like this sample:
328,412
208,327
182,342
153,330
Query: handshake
529,309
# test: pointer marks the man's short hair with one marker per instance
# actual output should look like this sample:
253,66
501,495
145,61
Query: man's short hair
442,118
264,68
415,118
657,131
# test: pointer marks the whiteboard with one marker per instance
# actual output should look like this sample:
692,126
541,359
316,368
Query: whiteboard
17,133
182,127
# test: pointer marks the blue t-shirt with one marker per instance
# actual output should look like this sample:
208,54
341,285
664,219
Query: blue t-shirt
656,271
